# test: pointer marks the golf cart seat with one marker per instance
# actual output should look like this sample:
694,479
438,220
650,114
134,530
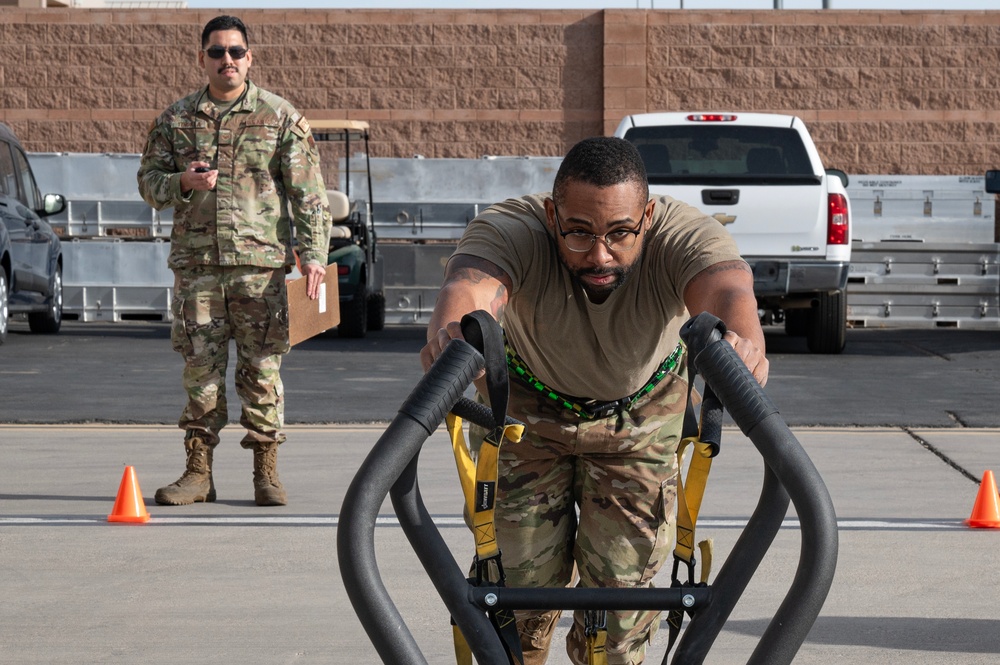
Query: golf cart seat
340,211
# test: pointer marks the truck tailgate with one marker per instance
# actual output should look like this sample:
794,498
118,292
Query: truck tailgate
776,220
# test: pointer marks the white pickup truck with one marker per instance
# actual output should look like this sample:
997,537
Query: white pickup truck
761,176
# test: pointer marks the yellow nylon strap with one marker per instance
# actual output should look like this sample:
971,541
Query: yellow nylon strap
484,504
479,476
472,475
463,654
463,460
706,547
596,654
690,493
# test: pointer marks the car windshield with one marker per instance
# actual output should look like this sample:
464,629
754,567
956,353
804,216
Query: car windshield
713,149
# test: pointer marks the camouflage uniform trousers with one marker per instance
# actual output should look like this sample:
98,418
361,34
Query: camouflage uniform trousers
589,502
211,305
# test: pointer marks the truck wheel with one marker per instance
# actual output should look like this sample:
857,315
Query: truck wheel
376,311
49,321
796,322
827,330
354,316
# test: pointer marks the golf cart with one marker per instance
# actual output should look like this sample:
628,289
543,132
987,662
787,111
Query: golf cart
352,240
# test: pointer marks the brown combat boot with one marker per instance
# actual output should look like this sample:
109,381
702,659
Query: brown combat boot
196,483
267,489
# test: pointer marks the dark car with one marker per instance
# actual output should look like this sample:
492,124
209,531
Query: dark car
30,251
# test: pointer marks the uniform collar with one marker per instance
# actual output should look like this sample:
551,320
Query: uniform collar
246,102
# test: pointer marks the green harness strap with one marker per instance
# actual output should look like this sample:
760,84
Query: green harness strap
586,410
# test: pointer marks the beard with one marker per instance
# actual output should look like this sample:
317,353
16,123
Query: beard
600,294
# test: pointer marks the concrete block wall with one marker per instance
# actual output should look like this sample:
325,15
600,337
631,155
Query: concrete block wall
885,92
894,92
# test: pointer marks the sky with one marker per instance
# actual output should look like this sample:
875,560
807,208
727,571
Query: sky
597,4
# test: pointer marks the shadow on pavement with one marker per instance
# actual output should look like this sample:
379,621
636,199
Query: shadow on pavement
911,633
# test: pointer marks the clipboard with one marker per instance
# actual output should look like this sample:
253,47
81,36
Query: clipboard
308,318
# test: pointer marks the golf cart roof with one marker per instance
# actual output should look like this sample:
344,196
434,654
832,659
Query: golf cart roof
341,124
339,130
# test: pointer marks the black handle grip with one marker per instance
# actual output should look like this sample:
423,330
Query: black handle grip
477,413
442,386
724,370
710,431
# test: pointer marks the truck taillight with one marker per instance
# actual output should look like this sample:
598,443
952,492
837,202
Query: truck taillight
837,222
343,270
711,117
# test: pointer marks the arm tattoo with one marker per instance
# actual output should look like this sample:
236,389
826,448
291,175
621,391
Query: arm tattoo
498,302
471,269
474,271
467,274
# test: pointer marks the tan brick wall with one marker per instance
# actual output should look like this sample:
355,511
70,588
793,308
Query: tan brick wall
883,91
435,83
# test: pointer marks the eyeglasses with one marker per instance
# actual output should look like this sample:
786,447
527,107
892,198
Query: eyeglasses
581,241
219,52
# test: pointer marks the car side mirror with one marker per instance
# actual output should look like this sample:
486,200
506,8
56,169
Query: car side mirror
53,205
993,182
840,174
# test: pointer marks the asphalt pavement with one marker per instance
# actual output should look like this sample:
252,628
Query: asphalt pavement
900,426
127,373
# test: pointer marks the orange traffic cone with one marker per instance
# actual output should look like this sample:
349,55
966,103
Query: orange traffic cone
986,511
129,506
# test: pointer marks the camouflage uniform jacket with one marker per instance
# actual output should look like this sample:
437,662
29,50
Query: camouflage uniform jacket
269,177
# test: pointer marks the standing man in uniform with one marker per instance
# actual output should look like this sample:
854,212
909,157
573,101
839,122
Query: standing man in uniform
591,284
240,167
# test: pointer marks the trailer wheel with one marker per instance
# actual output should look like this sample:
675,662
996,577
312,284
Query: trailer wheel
376,311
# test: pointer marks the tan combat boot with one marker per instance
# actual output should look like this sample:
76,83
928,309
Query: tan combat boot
196,483
267,489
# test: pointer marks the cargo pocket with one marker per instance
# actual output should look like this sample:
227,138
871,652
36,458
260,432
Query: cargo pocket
276,336
666,507
180,340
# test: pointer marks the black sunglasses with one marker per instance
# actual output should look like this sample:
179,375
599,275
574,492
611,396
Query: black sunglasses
219,52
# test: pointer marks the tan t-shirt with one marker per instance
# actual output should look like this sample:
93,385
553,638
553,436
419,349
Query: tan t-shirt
577,347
